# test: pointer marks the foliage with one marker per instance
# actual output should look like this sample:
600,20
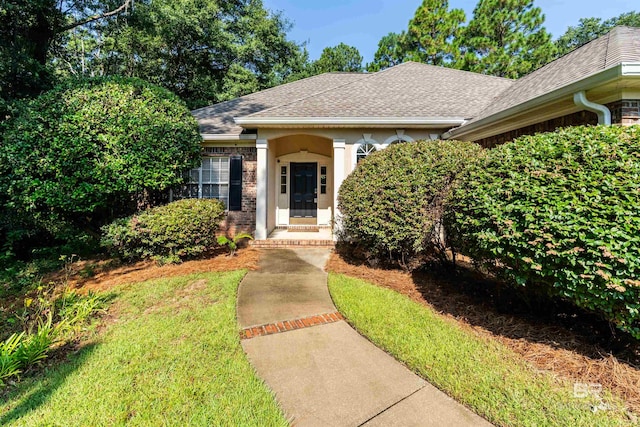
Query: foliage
232,243
79,153
338,58
182,229
433,31
28,29
205,51
506,38
481,373
168,332
391,202
558,213
591,28
391,51
44,326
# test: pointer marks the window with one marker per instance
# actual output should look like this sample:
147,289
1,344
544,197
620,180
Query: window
210,181
323,180
364,150
283,180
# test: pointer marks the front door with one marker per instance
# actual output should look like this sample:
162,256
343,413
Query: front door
304,190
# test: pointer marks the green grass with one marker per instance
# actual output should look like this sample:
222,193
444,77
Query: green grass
478,372
172,356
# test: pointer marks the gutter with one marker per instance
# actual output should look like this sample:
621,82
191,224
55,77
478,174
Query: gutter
228,137
351,121
630,69
604,115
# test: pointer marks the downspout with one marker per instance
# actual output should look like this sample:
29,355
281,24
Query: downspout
604,115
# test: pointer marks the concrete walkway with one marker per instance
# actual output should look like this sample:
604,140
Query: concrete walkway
322,371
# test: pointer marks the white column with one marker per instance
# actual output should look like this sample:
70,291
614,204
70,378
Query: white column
338,177
262,185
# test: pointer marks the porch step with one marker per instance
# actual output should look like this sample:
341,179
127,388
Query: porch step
301,228
291,243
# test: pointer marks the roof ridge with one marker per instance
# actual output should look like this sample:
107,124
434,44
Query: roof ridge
293,101
442,67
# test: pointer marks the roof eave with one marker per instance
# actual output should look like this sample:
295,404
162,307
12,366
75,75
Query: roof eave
624,69
422,122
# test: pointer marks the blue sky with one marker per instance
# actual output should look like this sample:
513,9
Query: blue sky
362,23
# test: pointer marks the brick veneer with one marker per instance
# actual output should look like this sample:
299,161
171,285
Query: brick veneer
625,112
245,219
575,119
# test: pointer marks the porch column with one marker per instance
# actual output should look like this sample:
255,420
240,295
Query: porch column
262,178
338,177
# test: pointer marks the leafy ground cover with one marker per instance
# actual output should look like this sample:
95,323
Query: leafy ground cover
167,354
478,372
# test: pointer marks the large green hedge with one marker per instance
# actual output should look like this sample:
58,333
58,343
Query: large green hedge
78,152
559,212
170,233
391,203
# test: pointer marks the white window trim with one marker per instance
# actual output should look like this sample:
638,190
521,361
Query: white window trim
200,182
394,138
359,143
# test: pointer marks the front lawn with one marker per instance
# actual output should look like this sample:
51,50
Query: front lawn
480,373
168,354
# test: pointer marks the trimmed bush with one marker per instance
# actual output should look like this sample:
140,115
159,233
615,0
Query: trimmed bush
86,150
170,233
559,212
392,202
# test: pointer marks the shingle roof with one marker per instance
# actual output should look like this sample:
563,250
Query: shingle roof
621,44
218,118
410,89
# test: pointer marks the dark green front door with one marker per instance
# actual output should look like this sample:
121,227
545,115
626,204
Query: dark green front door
304,190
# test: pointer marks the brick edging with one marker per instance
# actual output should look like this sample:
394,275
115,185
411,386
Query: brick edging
290,325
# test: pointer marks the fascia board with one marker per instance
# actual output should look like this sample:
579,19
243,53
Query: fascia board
562,92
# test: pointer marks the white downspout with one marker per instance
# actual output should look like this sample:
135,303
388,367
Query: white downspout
604,115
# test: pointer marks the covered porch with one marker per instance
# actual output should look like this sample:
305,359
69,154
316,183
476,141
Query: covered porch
297,180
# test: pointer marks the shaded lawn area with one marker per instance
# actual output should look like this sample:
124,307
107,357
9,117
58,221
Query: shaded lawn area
478,372
168,354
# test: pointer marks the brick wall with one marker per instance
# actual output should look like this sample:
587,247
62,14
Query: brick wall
575,119
625,112
245,219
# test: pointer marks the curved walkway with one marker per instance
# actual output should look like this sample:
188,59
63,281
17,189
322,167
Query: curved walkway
320,369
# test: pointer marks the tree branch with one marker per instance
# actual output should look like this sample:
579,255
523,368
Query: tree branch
96,17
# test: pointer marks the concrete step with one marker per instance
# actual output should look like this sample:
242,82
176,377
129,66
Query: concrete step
292,243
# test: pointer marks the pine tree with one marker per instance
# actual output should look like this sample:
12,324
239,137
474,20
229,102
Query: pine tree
391,51
592,28
506,38
432,33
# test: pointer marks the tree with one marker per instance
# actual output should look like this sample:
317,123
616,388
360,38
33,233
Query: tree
432,32
205,51
338,58
506,38
391,51
27,31
591,28
75,154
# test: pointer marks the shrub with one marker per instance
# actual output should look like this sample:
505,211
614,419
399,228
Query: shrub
391,203
182,229
558,212
77,154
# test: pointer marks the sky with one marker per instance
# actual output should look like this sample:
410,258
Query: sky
362,23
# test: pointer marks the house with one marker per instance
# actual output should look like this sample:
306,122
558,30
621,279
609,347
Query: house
277,157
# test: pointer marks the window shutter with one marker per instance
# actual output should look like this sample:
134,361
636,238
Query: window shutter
235,183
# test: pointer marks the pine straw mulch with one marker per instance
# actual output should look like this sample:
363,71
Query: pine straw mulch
569,345
100,275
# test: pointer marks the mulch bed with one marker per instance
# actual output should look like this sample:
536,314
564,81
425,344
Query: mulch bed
553,337
100,275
